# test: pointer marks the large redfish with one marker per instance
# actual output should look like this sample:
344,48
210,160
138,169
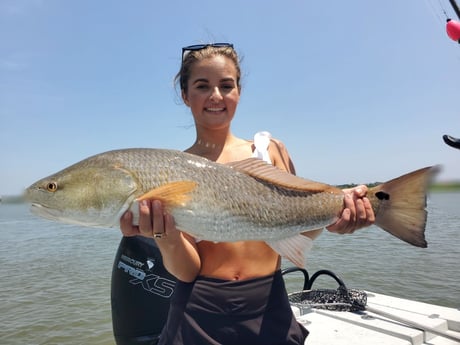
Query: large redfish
247,200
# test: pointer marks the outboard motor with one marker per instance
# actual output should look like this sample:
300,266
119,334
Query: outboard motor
140,292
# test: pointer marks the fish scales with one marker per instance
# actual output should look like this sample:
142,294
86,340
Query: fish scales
228,205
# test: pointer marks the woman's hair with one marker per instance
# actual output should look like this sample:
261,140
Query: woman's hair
192,56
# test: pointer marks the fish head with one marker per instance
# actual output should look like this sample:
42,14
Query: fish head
84,194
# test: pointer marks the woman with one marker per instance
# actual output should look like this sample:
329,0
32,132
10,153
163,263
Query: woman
227,293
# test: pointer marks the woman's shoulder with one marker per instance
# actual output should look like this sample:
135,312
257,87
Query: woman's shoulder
278,145
279,156
273,151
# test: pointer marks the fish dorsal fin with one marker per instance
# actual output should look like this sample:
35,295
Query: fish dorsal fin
171,194
259,169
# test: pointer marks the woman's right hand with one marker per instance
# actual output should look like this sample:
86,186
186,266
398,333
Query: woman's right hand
154,222
179,250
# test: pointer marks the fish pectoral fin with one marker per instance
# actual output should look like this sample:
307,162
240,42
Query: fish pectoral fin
171,194
261,170
293,248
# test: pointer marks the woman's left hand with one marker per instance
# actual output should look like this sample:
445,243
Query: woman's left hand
357,212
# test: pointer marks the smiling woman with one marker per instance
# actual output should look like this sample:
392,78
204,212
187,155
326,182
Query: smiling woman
209,79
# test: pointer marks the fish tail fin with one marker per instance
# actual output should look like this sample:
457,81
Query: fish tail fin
171,194
399,205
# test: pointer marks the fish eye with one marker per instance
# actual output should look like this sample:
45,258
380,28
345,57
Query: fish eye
51,187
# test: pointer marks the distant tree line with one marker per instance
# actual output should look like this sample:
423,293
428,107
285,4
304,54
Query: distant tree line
352,185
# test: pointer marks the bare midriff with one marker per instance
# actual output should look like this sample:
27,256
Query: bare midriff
237,260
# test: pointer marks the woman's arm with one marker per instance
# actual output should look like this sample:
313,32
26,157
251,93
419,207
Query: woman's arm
280,157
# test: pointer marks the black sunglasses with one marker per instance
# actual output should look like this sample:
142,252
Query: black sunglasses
196,47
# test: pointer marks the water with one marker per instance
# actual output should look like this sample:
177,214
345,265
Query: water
55,279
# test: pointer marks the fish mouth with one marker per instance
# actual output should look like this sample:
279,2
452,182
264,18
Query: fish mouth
76,218
43,211
53,214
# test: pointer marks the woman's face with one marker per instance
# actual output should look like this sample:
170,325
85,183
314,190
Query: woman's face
213,92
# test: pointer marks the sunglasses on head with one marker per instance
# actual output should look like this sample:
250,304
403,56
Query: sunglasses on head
196,47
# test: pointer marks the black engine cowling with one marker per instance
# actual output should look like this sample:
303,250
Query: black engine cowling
140,292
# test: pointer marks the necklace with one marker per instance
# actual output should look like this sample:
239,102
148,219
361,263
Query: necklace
207,144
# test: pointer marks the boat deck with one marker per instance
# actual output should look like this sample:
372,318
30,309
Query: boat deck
386,320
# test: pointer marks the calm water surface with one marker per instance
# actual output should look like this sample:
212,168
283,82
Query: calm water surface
55,279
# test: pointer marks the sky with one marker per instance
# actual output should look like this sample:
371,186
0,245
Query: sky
359,91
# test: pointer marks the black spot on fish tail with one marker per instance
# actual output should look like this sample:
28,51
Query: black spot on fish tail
382,195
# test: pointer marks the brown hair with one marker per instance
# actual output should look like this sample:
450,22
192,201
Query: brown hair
193,56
